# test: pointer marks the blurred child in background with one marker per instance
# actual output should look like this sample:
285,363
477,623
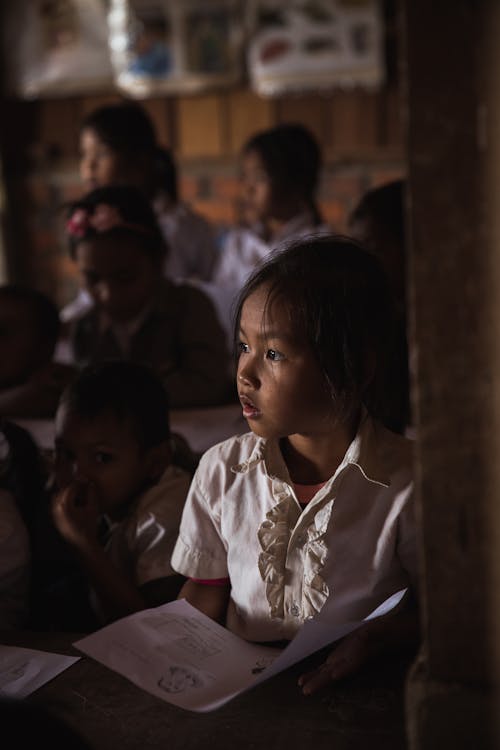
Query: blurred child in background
137,313
120,496
378,222
118,146
30,381
21,487
280,171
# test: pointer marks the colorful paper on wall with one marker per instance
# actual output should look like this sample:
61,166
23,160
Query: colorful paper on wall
164,46
300,46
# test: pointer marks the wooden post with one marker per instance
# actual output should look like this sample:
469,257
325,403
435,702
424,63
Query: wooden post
452,119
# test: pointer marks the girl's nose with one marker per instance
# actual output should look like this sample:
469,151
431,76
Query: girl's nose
247,376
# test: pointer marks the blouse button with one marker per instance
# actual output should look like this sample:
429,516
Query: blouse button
295,610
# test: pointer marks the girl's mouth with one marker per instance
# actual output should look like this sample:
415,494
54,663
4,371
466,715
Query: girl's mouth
250,411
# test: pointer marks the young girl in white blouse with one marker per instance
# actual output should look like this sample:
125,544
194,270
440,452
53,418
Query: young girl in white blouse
313,507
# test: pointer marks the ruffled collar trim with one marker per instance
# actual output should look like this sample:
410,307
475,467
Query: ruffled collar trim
275,532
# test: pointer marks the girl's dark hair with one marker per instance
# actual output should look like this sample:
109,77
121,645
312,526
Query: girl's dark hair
292,158
130,391
337,296
124,127
127,129
135,210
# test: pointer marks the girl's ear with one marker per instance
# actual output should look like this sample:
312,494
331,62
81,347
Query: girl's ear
158,459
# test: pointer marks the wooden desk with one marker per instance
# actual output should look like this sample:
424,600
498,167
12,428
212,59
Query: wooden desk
365,712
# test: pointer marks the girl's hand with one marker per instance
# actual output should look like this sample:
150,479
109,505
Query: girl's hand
348,657
76,513
393,632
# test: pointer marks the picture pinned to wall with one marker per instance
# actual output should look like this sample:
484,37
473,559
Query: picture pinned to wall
56,47
165,46
311,45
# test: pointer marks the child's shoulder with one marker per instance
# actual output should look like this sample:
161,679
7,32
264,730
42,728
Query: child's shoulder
233,453
172,486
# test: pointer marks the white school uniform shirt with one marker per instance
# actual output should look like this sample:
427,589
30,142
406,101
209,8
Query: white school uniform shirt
351,547
141,544
14,564
192,243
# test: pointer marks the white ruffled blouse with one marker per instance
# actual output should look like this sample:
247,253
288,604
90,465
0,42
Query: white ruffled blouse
350,547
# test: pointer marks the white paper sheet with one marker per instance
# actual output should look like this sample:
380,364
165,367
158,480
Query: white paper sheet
185,658
23,670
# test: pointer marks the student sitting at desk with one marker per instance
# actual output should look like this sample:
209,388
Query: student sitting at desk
312,510
137,314
120,496
280,171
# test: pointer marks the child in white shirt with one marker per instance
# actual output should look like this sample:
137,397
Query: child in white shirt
280,169
120,495
313,509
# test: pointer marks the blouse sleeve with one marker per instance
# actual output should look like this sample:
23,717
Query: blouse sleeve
200,551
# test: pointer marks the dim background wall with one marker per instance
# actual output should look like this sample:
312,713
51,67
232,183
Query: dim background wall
359,133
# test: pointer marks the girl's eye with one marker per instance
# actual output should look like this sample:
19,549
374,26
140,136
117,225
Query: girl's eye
242,348
103,458
274,355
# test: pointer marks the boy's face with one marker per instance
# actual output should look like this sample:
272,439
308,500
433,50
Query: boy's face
103,452
281,386
19,348
120,279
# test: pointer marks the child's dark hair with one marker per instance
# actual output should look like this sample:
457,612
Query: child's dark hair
127,129
384,205
131,392
337,296
136,217
43,312
292,158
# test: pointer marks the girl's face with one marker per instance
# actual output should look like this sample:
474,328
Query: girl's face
281,387
103,452
120,279
256,189
99,164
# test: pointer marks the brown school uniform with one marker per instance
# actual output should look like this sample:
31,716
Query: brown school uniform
178,335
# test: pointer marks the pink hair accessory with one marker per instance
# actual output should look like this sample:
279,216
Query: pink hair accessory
105,217
78,223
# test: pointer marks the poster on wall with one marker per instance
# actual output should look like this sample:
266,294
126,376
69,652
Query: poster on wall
313,45
56,47
166,46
